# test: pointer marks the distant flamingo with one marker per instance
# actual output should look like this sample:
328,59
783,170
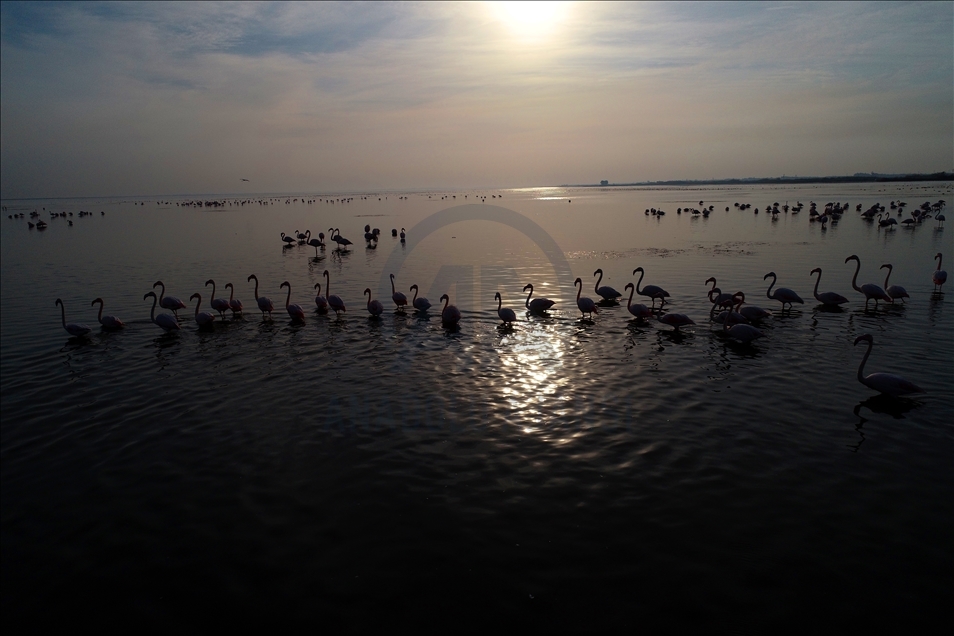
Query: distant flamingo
287,240
676,320
320,300
234,304
399,298
168,302
940,276
264,304
718,299
783,295
108,322
537,305
830,299
505,313
607,292
585,305
895,291
870,290
168,322
375,308
421,304
653,291
333,301
219,304
403,235
887,383
202,318
638,310
295,312
315,243
74,329
742,332
450,315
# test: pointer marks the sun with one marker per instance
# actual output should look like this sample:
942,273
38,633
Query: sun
531,20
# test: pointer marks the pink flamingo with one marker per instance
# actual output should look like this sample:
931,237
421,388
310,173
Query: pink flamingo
895,291
830,299
171,303
420,304
741,332
295,312
264,304
870,290
450,315
676,320
638,310
940,276
721,300
320,300
783,295
505,313
585,305
399,298
537,305
887,383
74,329
607,292
234,304
751,312
108,322
375,308
333,301
653,291
167,322
219,304
202,318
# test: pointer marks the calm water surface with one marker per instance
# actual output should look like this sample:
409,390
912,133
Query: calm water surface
573,474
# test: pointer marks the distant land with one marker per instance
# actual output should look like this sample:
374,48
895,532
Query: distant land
858,177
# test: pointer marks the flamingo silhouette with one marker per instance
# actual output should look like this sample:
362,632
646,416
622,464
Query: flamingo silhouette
830,299
887,383
585,305
295,312
870,290
653,291
537,305
264,304
505,313
202,318
74,329
108,322
783,295
167,322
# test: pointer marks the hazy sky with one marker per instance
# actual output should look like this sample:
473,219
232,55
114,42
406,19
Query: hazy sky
110,99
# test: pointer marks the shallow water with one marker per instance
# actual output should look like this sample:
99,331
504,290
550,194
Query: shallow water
578,474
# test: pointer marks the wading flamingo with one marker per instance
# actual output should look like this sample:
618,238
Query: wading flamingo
887,383
168,322
202,318
295,312
450,315
399,298
234,304
72,328
287,240
585,305
783,295
333,301
171,303
606,292
108,322
505,313
751,312
676,320
320,300
741,332
638,310
830,299
870,290
375,308
264,304
421,304
717,298
653,291
219,304
940,276
537,305
895,291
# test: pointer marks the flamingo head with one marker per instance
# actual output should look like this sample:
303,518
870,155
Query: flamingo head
497,296
638,269
528,286
772,274
58,302
194,296
740,296
852,257
285,284
147,295
599,271
251,277
157,283
866,337
318,287
413,287
714,292
326,274
578,281
367,290
227,285
629,286
817,269
98,300
209,282
711,279
890,267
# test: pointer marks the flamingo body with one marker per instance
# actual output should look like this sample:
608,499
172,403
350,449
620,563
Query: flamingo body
676,320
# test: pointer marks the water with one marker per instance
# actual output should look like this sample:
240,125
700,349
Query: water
573,474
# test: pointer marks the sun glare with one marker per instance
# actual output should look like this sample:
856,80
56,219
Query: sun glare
531,20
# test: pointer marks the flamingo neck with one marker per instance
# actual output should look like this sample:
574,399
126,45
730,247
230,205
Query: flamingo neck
596,287
152,312
886,278
231,291
256,288
854,279
528,297
939,259
578,292
393,291
162,291
446,302
861,367
415,294
198,301
629,303
641,274
63,314
369,295
768,292
100,317
288,297
328,285
499,302
817,280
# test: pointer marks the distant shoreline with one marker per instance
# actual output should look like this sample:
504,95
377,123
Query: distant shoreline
874,178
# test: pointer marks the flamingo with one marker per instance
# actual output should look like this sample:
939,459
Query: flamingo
940,276
751,313
218,304
234,304
403,235
887,383
72,328
450,315
721,300
394,231
315,243
537,305
638,310
421,304
264,304
783,295
652,291
168,322
607,292
895,291
741,332
295,312
168,302
505,313
202,318
585,305
399,298
870,290
108,322
375,308
676,320
829,299
940,220
287,240
333,301
732,315
301,237
320,300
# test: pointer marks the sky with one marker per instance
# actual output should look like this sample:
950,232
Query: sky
166,98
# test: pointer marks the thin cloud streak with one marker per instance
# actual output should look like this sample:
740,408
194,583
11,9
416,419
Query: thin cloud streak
109,99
